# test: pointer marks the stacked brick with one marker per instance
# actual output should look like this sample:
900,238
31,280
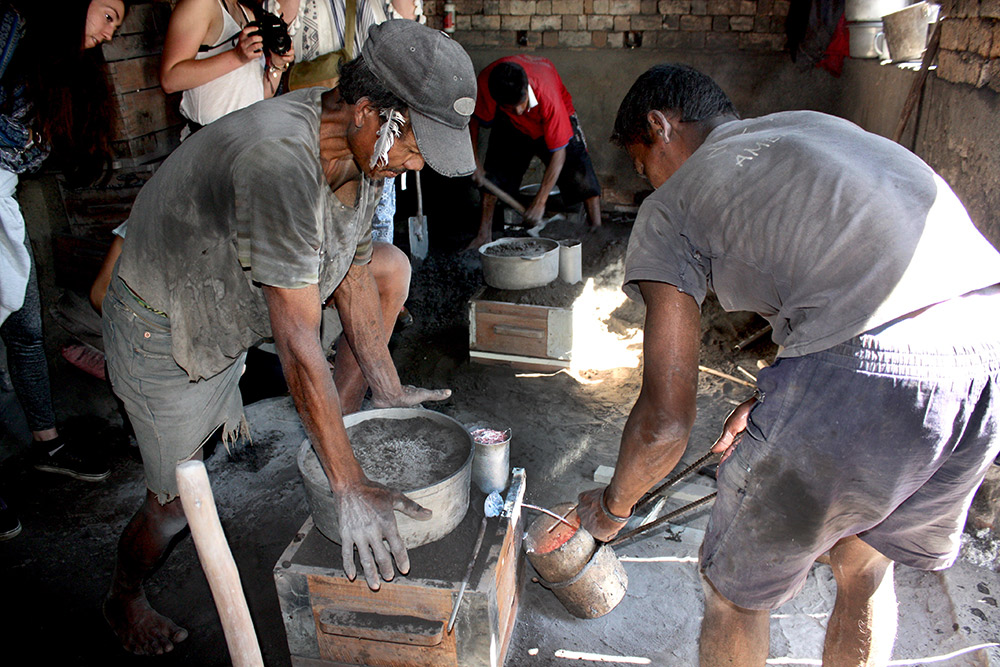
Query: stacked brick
756,25
970,43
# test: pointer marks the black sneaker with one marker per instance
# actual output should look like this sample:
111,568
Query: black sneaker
10,525
70,459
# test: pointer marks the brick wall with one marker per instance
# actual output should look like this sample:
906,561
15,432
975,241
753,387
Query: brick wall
753,25
970,43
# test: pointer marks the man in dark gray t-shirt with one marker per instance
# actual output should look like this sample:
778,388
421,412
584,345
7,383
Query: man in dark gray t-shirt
244,233
869,435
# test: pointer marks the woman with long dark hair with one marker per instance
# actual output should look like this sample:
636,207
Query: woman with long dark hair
54,101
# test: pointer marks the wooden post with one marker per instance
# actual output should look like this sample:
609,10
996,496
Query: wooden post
217,561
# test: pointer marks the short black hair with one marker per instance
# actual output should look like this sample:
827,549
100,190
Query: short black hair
508,83
357,81
668,87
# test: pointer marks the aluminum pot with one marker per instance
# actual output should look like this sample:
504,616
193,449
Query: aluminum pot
520,263
866,40
871,10
447,496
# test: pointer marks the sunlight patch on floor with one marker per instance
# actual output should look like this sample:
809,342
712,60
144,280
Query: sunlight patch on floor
594,346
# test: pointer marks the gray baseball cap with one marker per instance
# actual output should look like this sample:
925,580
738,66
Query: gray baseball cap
433,74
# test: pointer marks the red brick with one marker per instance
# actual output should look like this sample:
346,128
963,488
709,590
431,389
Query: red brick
534,39
748,7
722,40
699,7
764,6
624,7
623,23
948,7
960,67
989,9
995,49
741,23
981,37
606,22
550,39
588,6
672,22
648,7
572,22
515,22
567,7
696,23
965,8
491,7
546,22
574,38
720,24
674,6
753,41
543,7
517,7
647,22
485,22
599,38
955,34
463,22
602,6
723,7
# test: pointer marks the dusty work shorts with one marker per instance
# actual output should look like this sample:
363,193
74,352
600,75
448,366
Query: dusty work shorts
171,415
886,437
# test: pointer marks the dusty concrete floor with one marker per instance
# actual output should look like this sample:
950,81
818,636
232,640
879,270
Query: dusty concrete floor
565,425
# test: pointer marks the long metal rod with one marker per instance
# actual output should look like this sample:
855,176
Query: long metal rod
550,513
663,519
645,500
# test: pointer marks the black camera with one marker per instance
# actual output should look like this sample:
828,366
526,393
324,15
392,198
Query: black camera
272,29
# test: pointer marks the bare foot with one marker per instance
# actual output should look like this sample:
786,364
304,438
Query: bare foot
140,629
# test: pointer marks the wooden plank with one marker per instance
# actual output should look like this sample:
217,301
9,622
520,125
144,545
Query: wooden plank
513,309
519,362
145,111
146,16
393,598
146,149
525,336
136,45
128,76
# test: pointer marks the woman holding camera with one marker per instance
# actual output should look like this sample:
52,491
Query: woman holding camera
215,52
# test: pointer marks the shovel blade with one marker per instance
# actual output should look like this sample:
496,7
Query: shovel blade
418,236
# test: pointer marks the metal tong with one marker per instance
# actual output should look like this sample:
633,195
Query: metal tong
652,495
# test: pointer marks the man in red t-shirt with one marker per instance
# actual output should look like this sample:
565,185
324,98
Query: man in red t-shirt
537,118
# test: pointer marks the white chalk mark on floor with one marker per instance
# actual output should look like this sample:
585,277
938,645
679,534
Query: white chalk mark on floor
892,663
598,657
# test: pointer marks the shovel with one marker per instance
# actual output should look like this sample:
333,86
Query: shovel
516,205
418,225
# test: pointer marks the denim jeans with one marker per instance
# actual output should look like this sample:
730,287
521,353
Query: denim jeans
29,370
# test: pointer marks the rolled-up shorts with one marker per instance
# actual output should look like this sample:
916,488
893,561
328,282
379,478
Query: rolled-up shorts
172,416
886,437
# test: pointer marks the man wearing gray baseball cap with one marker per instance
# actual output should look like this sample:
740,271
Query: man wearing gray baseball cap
244,233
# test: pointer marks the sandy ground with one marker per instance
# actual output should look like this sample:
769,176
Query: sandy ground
565,425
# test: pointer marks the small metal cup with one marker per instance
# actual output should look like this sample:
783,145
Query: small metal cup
491,462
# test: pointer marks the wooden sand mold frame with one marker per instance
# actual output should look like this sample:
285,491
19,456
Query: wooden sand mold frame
330,620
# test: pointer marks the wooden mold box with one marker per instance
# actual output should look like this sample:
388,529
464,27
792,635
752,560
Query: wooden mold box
508,328
330,620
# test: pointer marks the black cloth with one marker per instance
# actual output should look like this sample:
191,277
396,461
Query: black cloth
509,153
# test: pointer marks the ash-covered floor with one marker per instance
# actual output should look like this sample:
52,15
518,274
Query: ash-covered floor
564,425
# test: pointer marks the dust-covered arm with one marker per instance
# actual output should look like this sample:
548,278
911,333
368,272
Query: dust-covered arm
357,302
658,427
364,509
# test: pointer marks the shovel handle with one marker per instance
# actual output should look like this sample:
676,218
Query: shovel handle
503,196
420,196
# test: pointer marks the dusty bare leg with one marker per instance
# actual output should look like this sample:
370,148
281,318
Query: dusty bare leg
593,207
142,546
391,270
485,234
862,628
731,635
